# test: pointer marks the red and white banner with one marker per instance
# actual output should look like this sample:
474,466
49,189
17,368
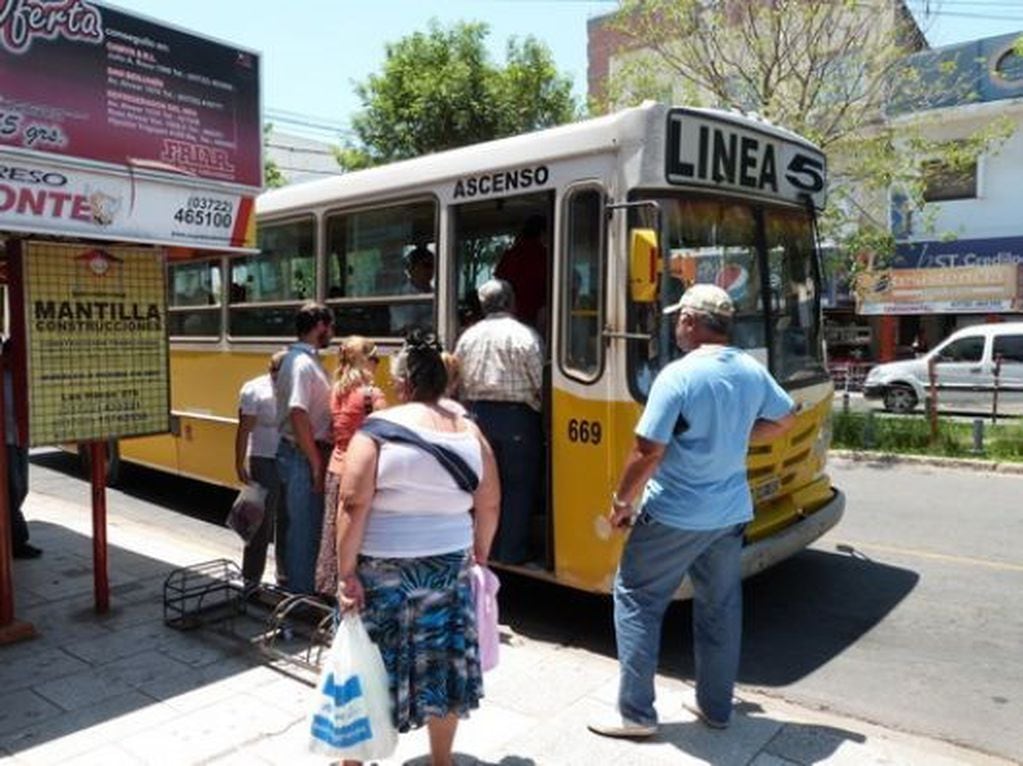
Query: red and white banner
56,198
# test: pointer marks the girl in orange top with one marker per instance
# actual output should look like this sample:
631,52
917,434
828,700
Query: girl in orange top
353,398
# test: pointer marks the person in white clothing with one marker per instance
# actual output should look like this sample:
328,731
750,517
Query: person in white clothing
255,460
302,393
419,502
502,377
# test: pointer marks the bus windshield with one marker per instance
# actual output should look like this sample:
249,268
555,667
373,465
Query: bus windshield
749,250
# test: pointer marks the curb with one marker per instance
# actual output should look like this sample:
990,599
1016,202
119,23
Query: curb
968,464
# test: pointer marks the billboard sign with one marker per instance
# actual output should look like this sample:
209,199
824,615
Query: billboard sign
954,290
96,340
97,90
959,252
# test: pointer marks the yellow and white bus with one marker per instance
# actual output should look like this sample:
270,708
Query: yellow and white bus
638,205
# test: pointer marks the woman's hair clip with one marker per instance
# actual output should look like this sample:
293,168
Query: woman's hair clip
418,341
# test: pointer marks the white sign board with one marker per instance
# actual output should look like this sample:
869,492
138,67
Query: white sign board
716,152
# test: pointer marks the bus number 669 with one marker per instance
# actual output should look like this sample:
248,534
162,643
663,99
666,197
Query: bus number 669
585,431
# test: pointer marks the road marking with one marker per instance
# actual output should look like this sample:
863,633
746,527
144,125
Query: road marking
999,565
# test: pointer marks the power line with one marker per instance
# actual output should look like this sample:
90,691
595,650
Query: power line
965,15
291,114
308,121
337,172
927,10
937,5
300,149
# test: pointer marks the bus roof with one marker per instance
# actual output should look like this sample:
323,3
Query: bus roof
608,133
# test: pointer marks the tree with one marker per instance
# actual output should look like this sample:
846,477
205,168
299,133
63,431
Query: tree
438,90
273,178
829,70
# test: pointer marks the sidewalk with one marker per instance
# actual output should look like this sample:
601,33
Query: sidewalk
125,689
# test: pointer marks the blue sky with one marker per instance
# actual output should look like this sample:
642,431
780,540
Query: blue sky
314,50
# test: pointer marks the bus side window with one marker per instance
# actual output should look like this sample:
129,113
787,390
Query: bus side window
194,296
582,285
266,289
381,269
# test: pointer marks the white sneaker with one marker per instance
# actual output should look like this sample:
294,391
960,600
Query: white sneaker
620,726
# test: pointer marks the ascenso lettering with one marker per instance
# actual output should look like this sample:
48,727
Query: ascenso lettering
499,183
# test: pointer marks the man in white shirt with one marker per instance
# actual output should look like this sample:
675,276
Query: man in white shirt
502,377
255,459
302,392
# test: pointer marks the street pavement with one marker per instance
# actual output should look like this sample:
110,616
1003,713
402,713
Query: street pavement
124,688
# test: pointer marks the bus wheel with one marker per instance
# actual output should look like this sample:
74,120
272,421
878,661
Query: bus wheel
113,462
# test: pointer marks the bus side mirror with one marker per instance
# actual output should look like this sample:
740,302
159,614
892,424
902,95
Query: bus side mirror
644,265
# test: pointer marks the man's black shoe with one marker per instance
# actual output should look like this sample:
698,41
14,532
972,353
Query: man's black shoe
27,551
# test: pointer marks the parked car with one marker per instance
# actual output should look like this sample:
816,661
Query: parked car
964,370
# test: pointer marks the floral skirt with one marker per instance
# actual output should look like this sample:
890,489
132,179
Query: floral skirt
420,613
326,561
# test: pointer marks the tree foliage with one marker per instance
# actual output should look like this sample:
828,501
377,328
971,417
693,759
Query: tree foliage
829,70
438,90
273,178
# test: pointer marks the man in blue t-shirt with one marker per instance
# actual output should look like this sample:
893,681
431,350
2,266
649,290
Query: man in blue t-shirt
690,454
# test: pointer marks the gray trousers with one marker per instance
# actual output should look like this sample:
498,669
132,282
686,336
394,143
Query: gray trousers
263,471
17,489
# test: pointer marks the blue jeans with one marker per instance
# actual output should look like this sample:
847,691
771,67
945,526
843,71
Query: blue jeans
515,434
654,562
303,513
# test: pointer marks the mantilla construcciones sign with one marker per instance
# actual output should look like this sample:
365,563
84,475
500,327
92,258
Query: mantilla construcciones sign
115,127
96,325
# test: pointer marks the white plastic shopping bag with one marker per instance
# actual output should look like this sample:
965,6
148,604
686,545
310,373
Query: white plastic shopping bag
351,716
484,592
247,511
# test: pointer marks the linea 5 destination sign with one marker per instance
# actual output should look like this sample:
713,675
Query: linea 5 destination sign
711,151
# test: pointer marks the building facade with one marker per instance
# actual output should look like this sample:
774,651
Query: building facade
959,261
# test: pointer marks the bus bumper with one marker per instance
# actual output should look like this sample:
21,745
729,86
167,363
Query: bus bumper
767,552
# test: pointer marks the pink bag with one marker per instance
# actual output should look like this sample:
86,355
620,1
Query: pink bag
484,592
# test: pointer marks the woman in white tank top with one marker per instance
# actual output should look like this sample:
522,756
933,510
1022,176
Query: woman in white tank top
408,530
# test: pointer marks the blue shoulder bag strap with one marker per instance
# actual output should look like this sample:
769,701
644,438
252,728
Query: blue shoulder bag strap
379,429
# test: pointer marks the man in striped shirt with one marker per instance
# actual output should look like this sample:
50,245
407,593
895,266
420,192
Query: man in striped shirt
502,375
